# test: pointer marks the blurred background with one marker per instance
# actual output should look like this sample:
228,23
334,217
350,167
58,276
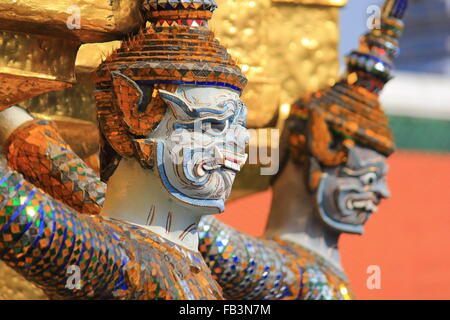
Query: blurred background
408,238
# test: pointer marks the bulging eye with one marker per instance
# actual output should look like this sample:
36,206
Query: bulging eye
229,105
219,127
369,178
214,127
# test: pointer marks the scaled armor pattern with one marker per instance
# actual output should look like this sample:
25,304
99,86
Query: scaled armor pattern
251,268
38,152
41,238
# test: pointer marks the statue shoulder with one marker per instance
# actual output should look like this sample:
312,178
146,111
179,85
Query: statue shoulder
157,268
321,280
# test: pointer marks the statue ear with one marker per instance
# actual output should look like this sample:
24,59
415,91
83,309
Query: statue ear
181,109
128,94
319,141
137,103
127,98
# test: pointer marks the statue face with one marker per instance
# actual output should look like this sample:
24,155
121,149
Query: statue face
201,144
348,194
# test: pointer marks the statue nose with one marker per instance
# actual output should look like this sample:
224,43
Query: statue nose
382,189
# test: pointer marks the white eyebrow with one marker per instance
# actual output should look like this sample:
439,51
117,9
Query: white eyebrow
193,100
359,171
375,160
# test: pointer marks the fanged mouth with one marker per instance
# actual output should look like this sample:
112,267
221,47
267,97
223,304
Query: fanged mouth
225,159
367,205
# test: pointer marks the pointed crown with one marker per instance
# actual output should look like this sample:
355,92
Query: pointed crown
373,62
177,49
327,122
193,13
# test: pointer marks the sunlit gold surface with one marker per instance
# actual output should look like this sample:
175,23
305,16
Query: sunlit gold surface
90,55
14,287
336,3
76,102
100,20
39,41
32,64
286,49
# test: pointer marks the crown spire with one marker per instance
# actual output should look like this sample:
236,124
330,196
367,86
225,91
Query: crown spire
168,13
394,8
177,48
351,107
373,62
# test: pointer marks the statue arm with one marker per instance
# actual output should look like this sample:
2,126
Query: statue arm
35,149
250,268
47,242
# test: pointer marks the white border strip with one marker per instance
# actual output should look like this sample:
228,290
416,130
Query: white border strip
418,95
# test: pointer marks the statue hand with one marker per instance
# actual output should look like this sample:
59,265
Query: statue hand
10,119
82,20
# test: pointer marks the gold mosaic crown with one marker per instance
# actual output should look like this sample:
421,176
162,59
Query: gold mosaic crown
351,108
193,13
344,112
177,49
